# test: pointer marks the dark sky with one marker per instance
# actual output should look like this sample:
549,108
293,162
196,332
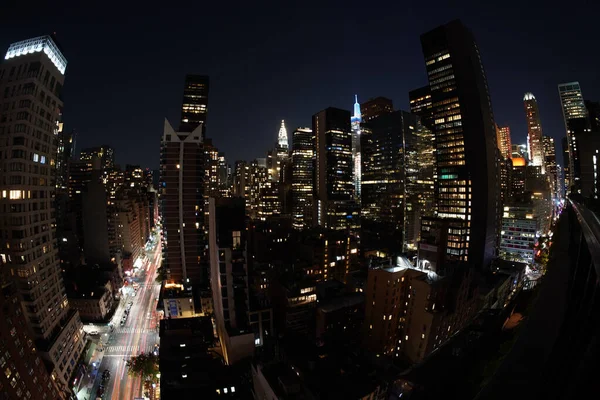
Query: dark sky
268,61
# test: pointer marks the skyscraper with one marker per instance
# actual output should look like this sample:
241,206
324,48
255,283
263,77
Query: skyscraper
398,168
504,141
465,139
571,101
355,125
194,107
282,137
303,156
182,186
576,121
31,78
534,131
566,164
334,190
420,104
593,110
551,167
375,107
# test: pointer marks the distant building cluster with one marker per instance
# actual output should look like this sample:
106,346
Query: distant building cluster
357,247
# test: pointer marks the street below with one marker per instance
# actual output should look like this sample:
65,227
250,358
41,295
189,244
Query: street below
118,341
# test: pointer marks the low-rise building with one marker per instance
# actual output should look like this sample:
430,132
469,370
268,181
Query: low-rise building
178,301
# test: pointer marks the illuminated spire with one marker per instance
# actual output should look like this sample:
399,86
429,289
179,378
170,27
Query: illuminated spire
282,138
356,116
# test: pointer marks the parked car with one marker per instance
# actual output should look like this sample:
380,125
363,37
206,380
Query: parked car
93,333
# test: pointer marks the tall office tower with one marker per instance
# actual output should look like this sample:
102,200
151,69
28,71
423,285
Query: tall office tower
538,184
593,111
550,163
398,168
182,185
355,122
24,374
282,151
535,147
105,153
258,180
282,136
94,213
518,176
211,169
31,80
334,189
566,165
505,167
63,157
229,277
240,179
224,178
576,120
503,141
571,101
194,106
421,105
375,107
303,157
465,138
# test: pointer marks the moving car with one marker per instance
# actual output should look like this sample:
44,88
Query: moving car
93,333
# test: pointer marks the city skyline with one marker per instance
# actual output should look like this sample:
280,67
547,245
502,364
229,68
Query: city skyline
250,80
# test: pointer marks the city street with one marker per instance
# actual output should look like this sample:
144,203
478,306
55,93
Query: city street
138,334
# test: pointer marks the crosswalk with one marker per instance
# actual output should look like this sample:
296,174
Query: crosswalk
112,351
134,330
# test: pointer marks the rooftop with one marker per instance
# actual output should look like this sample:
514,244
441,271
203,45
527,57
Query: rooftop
37,45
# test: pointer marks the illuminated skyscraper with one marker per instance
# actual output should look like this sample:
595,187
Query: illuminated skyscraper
398,183
504,141
194,107
31,79
550,163
355,124
465,140
571,101
420,104
182,186
334,189
282,137
535,147
576,121
303,158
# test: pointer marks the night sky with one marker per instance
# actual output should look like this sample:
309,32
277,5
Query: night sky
269,62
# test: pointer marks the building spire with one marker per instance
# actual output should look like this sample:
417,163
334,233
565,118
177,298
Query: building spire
282,138
356,108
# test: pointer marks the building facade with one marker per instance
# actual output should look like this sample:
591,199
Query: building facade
504,141
535,146
465,137
519,232
356,155
182,202
576,121
373,108
334,188
194,106
303,158
31,79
